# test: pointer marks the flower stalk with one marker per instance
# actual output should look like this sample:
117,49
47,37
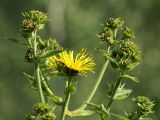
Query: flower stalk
67,99
84,105
36,67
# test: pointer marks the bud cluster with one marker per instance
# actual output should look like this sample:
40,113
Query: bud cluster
114,23
144,108
108,30
124,53
145,105
42,111
34,21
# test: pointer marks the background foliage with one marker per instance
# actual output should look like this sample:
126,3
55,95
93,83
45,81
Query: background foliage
75,23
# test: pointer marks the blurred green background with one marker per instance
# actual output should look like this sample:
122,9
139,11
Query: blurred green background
75,23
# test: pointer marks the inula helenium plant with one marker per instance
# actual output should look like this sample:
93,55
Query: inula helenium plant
49,59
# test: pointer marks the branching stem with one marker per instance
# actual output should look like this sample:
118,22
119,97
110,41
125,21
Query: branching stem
84,105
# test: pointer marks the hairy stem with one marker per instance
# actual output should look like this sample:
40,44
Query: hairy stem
66,102
36,68
114,91
84,105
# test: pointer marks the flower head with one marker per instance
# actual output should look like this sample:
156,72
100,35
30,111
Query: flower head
145,105
33,21
71,65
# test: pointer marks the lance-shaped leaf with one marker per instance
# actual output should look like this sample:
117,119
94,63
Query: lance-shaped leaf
145,119
56,99
113,61
82,113
47,54
106,54
122,93
101,110
119,117
111,86
16,41
135,79
31,80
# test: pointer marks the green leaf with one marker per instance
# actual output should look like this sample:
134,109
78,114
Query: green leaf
106,54
83,113
16,41
113,61
100,109
93,105
122,93
28,77
47,54
135,79
111,86
145,119
118,116
56,99
31,80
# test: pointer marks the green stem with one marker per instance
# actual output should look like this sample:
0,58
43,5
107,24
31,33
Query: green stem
118,80
114,91
36,68
56,99
84,105
115,33
66,102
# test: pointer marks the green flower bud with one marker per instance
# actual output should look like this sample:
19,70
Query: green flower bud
129,47
127,57
36,16
128,33
31,116
28,57
42,111
114,23
131,50
41,108
34,21
29,26
145,105
50,44
125,64
107,36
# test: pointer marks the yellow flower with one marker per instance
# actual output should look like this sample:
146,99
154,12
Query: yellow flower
71,65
